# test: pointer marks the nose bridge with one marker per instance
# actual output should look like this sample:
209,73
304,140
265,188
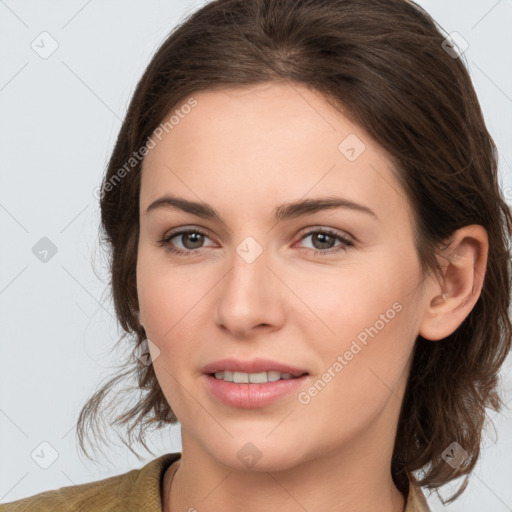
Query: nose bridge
249,271
250,295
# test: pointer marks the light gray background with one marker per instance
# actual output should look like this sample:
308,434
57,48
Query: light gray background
59,120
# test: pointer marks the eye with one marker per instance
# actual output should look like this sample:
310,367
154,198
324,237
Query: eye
324,238
192,240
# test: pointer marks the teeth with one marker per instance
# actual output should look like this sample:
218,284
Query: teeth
241,377
254,378
273,376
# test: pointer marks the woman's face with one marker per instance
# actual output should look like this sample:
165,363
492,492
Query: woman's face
268,280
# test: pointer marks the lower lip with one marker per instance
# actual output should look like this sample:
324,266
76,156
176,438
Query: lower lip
252,396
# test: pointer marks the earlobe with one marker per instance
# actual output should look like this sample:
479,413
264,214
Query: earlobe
454,296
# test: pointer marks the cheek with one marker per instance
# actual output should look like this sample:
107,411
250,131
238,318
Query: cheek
164,293
347,300
364,364
369,318
172,304
166,303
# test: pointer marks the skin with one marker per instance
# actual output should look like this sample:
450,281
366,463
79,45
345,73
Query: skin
245,151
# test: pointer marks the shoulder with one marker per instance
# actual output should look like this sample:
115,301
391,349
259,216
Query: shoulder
416,501
89,496
137,490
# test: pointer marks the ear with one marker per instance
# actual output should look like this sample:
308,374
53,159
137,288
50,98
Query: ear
452,298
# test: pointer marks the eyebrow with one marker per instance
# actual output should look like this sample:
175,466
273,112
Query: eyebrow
285,211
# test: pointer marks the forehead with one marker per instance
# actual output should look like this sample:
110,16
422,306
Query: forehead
265,142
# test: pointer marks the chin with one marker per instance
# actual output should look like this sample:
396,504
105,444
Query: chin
257,456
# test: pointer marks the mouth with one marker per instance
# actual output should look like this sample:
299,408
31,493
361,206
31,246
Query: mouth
252,371
256,377
249,384
243,390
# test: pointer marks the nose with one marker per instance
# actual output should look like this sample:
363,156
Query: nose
250,295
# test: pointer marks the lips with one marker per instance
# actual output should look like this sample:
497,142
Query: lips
252,366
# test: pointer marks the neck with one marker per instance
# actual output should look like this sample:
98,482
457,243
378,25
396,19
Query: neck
326,483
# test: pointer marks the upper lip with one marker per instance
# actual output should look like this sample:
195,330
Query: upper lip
252,366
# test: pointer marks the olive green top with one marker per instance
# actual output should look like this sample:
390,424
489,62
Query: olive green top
138,490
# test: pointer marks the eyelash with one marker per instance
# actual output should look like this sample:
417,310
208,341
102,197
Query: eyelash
166,242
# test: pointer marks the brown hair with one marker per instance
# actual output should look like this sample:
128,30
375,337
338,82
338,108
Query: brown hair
381,63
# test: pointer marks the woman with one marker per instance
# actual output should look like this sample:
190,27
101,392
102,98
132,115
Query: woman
311,249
